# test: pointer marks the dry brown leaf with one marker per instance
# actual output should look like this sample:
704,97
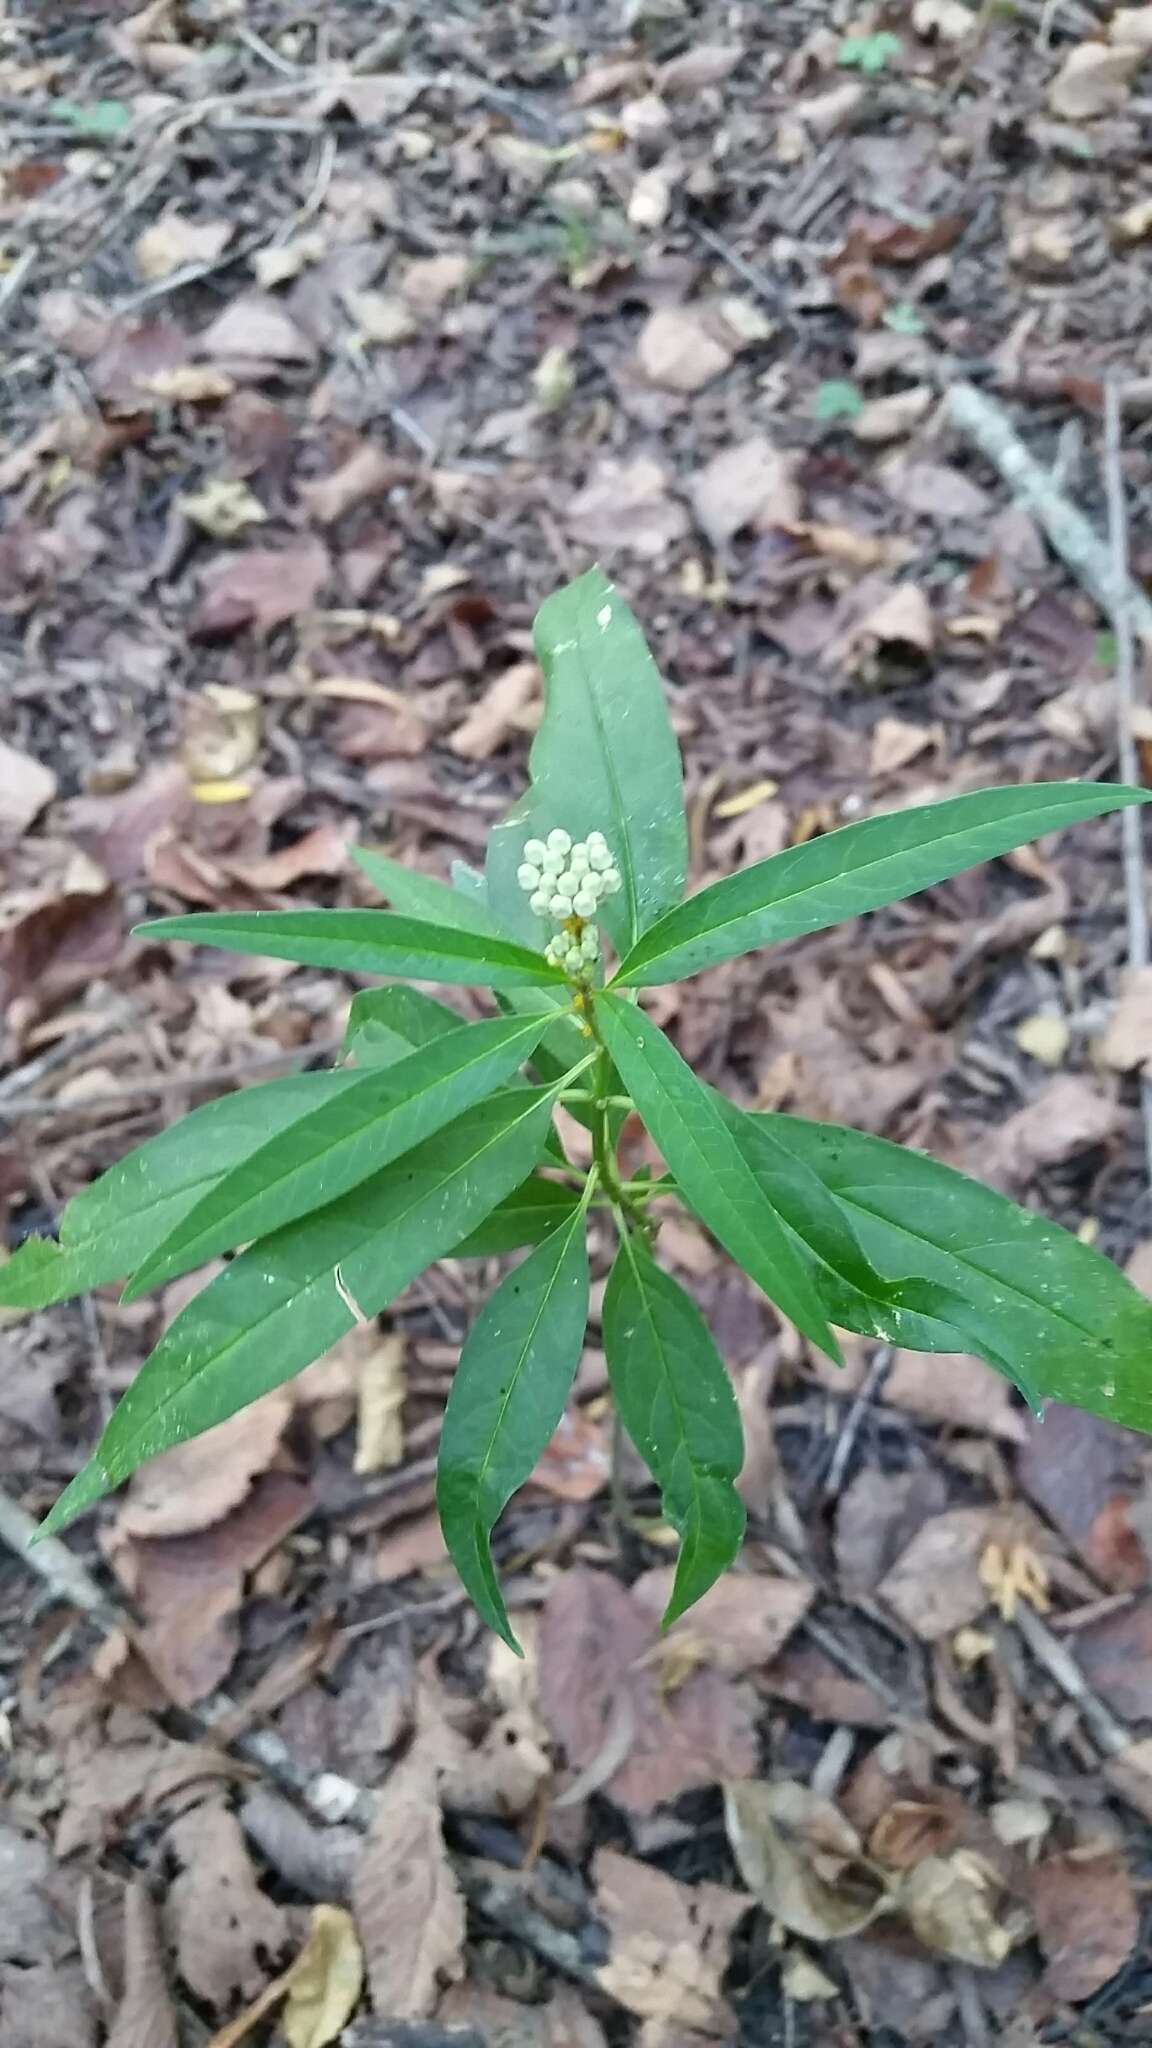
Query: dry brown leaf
935,1585
1131,28
256,326
407,1903
902,618
888,419
1087,1919
223,1927
1127,1041
383,317
750,484
145,2015
669,1941
1093,79
261,587
366,474
223,728
935,490
799,1857
743,1620
509,706
953,1388
627,505
197,1483
223,508
679,349
895,743
429,283
383,1386
320,1990
946,21
1070,1115
604,81
172,242
1044,1037
649,202
323,851
26,786
189,384
950,1903
707,64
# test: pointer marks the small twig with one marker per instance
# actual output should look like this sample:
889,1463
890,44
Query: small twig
14,280
1110,1734
62,1053
1072,536
171,1084
1131,818
853,1421
66,1577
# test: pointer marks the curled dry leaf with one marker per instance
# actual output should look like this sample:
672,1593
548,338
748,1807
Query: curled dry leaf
26,786
1092,80
223,727
951,1904
256,327
509,706
889,419
1131,28
707,64
802,1860
627,505
223,507
383,1386
902,618
429,283
1071,1114
679,349
145,2015
1087,1919
261,587
407,1903
224,1928
935,1585
172,242
1127,1042
669,1941
323,851
749,484
195,1484
743,1621
366,474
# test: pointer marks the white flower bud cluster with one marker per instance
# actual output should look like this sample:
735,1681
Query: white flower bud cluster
568,883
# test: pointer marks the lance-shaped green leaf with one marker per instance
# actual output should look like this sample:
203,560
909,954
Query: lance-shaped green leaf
508,1394
973,1272
363,942
527,1216
344,1142
710,1170
417,895
858,868
289,1298
605,759
385,1024
110,1226
675,1399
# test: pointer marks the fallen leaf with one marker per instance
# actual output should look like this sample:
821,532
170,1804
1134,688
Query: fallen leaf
508,708
902,618
804,1980
189,384
1127,1041
813,1683
953,1388
430,282
606,79
223,507
951,1902
325,1981
1134,224
261,587
26,786
1092,80
895,743
650,201
946,21
669,1941
1087,1920
935,1585
935,490
145,2015
1131,27
383,1387
1044,1037
745,800
256,326
679,349
323,851
896,1985
223,1927
173,242
1070,1115
280,262
1115,1654
576,1462
750,484
801,1859
706,64
627,505
223,729
888,419
743,1620
195,1484
366,474
383,317
408,1907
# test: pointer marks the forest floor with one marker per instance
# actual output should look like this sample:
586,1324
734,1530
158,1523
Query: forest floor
333,342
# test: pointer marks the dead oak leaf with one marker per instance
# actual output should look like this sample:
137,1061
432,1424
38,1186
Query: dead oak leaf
223,1927
935,1585
707,64
750,484
366,474
26,785
951,1904
261,588
257,327
742,1622
196,1484
801,1859
1093,79
669,1941
1087,1920
627,505
172,242
679,350
407,1904
509,706
145,2015
1070,1115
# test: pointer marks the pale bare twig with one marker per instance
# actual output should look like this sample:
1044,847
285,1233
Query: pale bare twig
853,1421
172,1084
1131,818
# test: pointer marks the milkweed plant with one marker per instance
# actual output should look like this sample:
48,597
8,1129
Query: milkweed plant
434,1137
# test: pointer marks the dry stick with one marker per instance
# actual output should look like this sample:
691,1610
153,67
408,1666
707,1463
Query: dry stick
1131,818
1072,536
171,1084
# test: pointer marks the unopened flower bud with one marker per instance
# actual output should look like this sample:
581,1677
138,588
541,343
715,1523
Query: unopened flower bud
611,881
540,903
535,851
584,903
559,841
528,876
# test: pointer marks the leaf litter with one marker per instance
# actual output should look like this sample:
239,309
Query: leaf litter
358,446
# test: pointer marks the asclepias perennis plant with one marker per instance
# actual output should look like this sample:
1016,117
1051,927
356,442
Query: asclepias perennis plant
434,1138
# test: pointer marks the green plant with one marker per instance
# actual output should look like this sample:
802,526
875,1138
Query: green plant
871,53
439,1140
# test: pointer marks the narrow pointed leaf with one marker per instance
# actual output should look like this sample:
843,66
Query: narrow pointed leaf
335,1147
605,758
514,1376
527,1216
858,868
110,1226
363,942
974,1272
711,1173
675,1399
385,1024
289,1298
417,895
